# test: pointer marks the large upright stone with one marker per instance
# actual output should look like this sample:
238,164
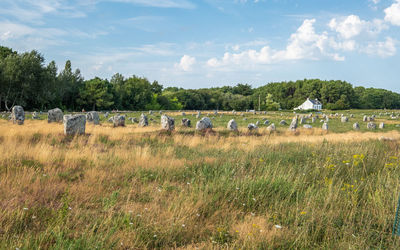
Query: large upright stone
356,126
143,121
325,126
344,119
365,118
252,127
198,115
18,115
35,116
293,124
74,124
204,124
118,120
283,122
271,127
93,117
382,125
232,125
186,122
167,123
371,125
302,120
55,115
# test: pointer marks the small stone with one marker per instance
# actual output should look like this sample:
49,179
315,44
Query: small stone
93,117
55,115
118,120
371,125
382,125
204,124
344,119
143,121
271,127
356,126
283,122
252,127
266,122
307,126
325,126
232,125
186,122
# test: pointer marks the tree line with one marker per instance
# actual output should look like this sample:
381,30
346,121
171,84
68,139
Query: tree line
26,80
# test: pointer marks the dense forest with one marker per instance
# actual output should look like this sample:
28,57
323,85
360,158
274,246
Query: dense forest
26,80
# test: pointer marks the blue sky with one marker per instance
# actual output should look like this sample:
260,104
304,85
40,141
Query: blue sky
204,43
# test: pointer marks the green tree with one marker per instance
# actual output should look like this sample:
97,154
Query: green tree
96,93
270,104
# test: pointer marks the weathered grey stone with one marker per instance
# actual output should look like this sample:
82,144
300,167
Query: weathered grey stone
356,126
344,119
307,126
271,127
183,114
266,122
186,122
365,118
215,112
382,125
18,115
313,119
119,121
167,123
35,116
55,115
283,122
106,115
232,125
302,120
257,123
325,126
150,112
371,125
294,123
74,124
143,121
160,112
351,116
252,127
93,117
245,119
111,119
204,124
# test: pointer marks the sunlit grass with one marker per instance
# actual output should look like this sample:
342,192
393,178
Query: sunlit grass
135,188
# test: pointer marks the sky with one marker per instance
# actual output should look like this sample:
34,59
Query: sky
209,43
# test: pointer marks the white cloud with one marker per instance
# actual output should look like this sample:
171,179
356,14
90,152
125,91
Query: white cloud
186,63
392,13
382,49
352,26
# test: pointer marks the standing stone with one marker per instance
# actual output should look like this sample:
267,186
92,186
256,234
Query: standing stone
18,115
185,122
344,119
365,118
35,116
93,117
183,114
325,126
271,127
356,126
252,127
167,123
55,115
150,112
143,121
283,122
111,119
302,120
382,125
119,120
160,112
204,124
257,123
266,122
198,115
74,124
293,124
371,125
106,115
307,126
313,120
232,125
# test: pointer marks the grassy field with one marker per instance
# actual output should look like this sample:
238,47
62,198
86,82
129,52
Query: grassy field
142,188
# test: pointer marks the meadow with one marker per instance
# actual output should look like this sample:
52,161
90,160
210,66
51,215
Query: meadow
143,188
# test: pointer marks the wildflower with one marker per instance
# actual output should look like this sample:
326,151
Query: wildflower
25,208
252,214
33,217
70,208
303,212
183,225
130,223
198,215
278,226
254,199
188,183
155,236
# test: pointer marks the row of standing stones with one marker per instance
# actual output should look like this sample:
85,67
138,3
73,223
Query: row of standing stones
75,124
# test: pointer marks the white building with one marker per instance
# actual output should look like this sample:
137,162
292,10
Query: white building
310,104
